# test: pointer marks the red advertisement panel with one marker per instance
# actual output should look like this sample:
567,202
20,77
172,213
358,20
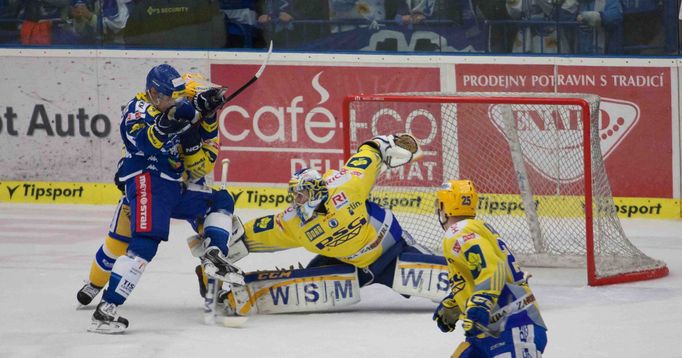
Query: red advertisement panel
421,119
635,111
292,116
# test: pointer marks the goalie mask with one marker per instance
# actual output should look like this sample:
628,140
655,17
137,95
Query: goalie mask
308,191
456,198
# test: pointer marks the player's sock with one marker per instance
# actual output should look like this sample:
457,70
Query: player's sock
87,293
202,280
106,320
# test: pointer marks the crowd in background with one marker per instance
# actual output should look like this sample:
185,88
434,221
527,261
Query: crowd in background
486,26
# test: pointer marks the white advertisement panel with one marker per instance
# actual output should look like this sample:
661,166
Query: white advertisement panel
59,115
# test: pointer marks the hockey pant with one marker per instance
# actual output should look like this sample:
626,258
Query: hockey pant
526,341
153,202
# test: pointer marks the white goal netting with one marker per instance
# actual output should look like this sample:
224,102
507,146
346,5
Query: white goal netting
526,156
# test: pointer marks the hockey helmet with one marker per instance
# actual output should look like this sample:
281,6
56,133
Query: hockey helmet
456,198
308,190
165,79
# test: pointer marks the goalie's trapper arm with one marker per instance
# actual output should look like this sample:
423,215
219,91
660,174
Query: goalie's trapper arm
396,149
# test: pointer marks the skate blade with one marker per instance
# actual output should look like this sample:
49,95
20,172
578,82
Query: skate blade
229,278
231,321
106,327
81,307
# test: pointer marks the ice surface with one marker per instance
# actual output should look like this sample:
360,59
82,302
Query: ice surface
45,253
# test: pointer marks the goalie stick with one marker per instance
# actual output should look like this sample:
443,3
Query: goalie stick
211,315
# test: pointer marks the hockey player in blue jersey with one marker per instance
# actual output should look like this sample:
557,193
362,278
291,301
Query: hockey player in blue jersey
488,289
199,151
152,129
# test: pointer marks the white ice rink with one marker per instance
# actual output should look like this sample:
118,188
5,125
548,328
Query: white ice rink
45,253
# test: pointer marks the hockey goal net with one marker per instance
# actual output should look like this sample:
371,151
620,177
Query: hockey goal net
535,160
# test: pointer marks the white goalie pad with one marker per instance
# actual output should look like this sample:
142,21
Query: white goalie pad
298,290
422,276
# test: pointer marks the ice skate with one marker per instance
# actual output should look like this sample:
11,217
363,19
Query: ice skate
106,320
87,293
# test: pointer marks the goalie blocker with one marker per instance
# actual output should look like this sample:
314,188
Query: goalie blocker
329,287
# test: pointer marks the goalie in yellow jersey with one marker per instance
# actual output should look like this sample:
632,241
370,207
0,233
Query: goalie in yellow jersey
358,242
489,291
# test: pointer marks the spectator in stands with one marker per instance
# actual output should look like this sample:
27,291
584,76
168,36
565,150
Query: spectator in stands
412,12
601,26
356,12
294,23
443,25
542,38
500,35
42,20
9,31
241,23
277,12
114,17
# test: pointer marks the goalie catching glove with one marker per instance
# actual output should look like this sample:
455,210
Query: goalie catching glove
396,149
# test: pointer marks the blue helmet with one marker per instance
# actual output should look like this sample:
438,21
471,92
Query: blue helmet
165,79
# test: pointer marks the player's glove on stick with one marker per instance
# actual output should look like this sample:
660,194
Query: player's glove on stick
175,120
216,266
477,314
446,314
396,149
209,101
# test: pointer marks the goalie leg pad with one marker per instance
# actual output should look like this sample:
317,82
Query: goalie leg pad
298,290
421,275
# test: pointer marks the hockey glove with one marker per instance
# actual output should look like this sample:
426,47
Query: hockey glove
396,149
209,101
477,314
191,141
446,314
175,120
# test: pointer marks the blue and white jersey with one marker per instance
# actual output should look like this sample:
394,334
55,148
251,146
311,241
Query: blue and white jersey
142,150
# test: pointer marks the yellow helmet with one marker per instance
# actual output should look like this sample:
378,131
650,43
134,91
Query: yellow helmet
457,198
196,83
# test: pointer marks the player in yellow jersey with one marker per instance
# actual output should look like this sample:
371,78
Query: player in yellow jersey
199,147
331,215
489,291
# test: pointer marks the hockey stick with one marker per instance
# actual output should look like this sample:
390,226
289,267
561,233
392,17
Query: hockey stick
254,78
211,299
212,284
488,331
247,84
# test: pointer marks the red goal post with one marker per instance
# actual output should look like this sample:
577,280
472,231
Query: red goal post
525,153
